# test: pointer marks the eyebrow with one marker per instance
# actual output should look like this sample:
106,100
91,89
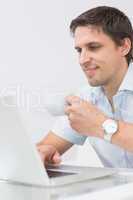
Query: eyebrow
90,44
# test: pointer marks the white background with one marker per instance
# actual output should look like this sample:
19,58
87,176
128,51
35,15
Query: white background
37,54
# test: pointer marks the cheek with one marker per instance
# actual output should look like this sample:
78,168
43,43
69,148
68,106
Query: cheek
107,53
109,61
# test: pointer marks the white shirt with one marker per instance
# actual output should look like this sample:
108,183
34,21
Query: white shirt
110,154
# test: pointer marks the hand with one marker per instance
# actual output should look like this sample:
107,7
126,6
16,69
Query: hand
84,117
48,154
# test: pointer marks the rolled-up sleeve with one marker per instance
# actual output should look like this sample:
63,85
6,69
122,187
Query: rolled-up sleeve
63,129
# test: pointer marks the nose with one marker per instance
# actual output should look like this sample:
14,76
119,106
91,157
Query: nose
84,57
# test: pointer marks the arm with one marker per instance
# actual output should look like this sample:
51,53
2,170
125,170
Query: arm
51,148
124,136
87,120
59,143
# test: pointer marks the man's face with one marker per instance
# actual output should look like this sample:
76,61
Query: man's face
100,58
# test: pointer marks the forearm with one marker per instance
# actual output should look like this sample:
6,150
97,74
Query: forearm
59,143
124,136
87,119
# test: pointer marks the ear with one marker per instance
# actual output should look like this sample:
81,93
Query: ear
125,46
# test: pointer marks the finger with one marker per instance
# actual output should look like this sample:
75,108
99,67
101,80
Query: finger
45,153
71,117
72,100
39,147
68,110
56,158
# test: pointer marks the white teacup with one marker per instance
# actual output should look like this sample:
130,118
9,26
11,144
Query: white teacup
55,103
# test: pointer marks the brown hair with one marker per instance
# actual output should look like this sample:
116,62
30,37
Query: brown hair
112,21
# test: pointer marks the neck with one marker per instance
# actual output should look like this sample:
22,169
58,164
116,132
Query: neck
113,85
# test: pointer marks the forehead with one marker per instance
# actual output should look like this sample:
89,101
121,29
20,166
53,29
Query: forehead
87,34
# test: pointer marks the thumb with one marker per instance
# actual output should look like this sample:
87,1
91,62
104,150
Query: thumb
56,158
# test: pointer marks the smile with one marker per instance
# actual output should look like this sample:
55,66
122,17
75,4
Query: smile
91,71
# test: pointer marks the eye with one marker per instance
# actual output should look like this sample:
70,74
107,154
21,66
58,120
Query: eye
78,50
94,47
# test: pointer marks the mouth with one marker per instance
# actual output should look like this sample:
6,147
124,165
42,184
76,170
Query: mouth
91,71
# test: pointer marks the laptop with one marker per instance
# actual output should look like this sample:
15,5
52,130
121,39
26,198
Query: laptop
20,161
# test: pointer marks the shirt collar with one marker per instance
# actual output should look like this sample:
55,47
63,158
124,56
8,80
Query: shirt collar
127,83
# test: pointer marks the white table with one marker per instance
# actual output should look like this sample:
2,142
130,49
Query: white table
94,188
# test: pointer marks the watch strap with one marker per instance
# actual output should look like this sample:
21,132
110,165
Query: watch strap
107,137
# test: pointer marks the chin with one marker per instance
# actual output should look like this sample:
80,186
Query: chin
94,83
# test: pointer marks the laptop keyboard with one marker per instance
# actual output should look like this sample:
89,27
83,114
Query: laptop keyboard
54,173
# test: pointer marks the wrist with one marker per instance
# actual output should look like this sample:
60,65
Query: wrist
110,127
100,130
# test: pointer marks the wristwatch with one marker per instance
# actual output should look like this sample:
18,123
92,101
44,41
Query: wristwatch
110,127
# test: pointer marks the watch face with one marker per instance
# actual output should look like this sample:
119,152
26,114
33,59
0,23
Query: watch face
110,126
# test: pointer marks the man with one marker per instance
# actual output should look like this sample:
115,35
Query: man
103,38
